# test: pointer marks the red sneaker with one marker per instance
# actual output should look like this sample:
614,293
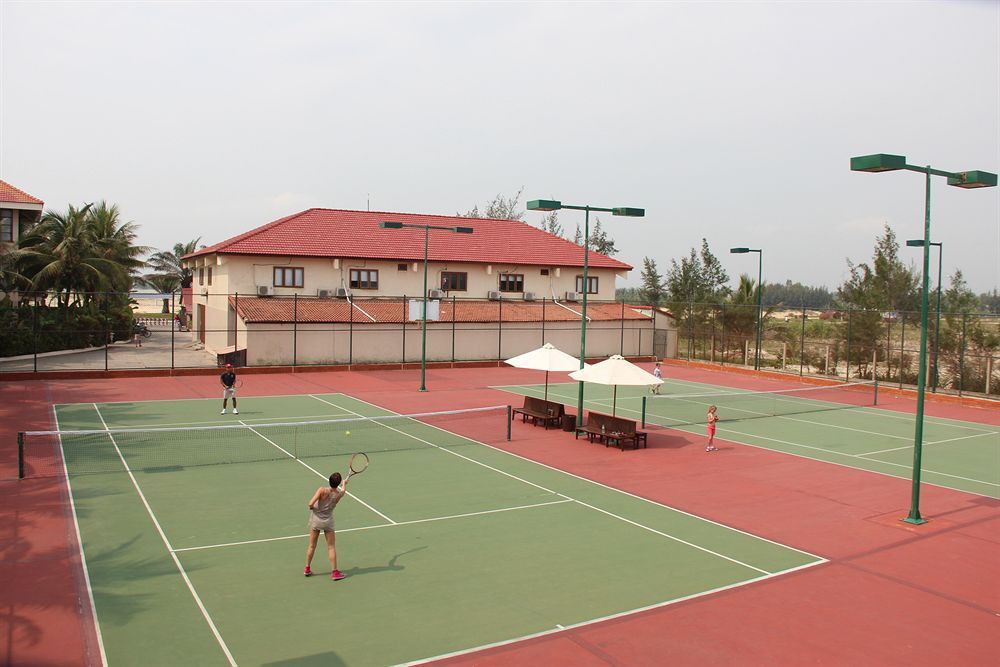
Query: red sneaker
308,572
337,575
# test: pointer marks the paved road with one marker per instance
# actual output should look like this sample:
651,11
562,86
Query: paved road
154,353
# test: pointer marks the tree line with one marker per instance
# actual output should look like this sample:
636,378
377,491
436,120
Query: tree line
66,282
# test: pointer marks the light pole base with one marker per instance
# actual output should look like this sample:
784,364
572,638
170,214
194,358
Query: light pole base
915,520
423,389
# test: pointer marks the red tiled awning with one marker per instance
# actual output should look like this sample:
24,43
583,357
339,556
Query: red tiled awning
283,310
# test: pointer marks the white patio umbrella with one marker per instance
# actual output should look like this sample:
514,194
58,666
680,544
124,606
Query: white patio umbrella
546,358
615,371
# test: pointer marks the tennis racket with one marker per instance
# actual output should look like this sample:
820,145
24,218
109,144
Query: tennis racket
238,384
359,463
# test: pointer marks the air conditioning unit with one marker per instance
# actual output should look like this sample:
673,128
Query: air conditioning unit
494,296
435,294
324,293
530,296
265,290
341,292
573,296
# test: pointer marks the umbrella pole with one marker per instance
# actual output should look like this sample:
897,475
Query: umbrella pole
546,385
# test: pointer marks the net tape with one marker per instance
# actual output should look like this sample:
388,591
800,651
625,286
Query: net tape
179,447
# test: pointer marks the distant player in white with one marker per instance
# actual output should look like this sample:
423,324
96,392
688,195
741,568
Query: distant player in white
658,374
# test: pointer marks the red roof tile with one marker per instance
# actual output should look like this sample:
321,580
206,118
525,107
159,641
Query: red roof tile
8,193
307,310
320,232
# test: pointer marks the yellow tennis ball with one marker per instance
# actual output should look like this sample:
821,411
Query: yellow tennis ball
347,432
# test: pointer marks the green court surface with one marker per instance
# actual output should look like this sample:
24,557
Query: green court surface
836,425
448,544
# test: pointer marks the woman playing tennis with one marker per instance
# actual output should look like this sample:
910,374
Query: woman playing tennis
321,519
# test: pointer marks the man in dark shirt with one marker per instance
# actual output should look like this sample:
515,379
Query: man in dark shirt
228,379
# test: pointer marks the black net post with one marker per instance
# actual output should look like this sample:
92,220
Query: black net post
510,420
20,455
644,411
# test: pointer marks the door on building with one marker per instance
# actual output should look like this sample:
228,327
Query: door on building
201,323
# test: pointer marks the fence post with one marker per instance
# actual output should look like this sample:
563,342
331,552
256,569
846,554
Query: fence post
107,331
902,340
500,328
874,363
691,326
295,330
34,335
174,323
622,344
961,356
453,318
784,354
723,334
802,344
543,320
850,321
405,315
20,455
989,374
350,330
236,326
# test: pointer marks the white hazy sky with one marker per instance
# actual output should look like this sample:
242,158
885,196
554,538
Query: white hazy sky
733,121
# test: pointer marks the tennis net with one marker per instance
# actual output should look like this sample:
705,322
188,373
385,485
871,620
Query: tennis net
44,453
680,409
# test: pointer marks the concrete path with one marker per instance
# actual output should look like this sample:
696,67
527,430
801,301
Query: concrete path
123,355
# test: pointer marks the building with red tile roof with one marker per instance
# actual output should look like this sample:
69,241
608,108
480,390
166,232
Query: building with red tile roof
18,211
287,291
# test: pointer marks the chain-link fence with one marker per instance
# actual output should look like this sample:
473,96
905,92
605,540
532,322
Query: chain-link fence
119,332
962,348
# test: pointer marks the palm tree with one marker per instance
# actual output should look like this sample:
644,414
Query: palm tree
61,255
115,241
168,264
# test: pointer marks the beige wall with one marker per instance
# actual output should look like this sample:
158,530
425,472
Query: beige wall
281,344
244,274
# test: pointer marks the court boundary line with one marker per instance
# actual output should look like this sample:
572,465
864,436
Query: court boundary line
933,442
677,539
166,543
372,527
621,491
317,472
687,427
883,412
79,542
610,617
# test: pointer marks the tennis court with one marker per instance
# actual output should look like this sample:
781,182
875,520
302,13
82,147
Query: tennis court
836,424
194,539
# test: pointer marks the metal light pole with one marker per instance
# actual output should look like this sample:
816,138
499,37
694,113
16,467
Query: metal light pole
554,205
919,243
760,298
423,314
965,179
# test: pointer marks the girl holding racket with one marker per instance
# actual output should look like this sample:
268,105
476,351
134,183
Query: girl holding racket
712,418
321,516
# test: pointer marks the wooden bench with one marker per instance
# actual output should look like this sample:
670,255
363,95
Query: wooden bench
538,410
611,430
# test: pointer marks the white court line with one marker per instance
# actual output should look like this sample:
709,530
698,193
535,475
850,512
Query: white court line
563,628
686,427
258,421
520,479
322,476
166,542
381,525
818,449
79,541
933,442
620,491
